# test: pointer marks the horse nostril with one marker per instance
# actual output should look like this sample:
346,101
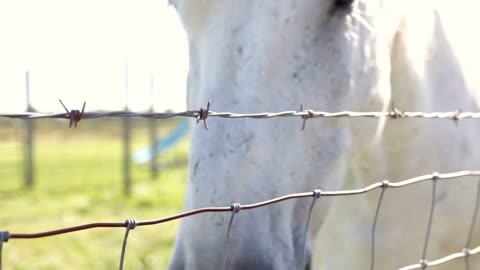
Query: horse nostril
342,4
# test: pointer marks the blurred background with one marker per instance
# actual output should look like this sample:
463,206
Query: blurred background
114,55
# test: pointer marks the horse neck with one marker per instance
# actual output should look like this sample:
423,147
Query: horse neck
426,76
426,72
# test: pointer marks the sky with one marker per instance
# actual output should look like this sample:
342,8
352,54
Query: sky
81,50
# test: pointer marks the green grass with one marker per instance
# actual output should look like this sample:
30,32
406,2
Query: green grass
79,180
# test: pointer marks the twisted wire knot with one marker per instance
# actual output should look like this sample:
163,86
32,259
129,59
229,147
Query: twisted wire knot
236,207
131,223
4,236
385,184
423,264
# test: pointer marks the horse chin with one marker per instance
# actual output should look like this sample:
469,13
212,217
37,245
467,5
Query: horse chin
252,263
250,254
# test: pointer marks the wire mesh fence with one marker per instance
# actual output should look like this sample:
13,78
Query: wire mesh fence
235,208
203,113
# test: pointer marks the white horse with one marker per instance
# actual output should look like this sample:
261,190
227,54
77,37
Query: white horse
329,55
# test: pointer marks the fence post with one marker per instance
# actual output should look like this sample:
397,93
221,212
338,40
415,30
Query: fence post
153,133
126,141
28,166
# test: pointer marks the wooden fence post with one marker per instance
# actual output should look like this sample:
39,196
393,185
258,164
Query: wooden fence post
28,166
153,133
126,142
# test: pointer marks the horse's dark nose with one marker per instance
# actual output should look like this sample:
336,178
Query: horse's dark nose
343,4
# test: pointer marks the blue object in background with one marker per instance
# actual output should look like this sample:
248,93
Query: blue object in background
162,145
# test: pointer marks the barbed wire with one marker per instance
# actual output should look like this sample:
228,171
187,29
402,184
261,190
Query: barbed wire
130,224
204,112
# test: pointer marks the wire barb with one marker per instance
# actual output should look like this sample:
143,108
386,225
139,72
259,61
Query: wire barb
130,224
74,115
456,116
317,193
203,114
395,112
4,236
310,114
235,208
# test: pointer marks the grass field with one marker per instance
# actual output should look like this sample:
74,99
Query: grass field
79,180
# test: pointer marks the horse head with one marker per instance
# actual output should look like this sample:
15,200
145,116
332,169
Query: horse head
247,56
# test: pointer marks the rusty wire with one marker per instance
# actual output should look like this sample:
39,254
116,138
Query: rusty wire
315,194
244,206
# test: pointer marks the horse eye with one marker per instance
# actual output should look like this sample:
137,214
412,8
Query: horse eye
343,4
